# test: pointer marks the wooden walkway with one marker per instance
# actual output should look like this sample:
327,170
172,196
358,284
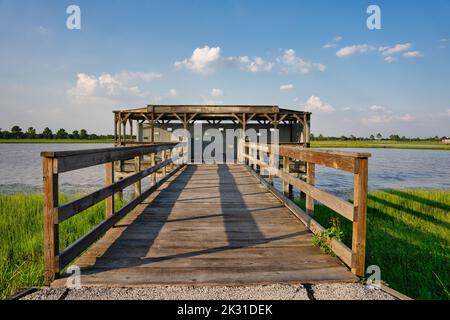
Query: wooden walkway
208,225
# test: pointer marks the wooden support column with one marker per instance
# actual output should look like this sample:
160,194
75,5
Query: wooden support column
310,179
139,133
131,131
115,129
124,124
246,152
120,128
137,168
300,134
51,226
109,179
306,128
241,151
285,169
152,128
359,224
185,149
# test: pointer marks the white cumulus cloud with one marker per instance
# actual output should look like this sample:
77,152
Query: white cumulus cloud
245,63
292,63
86,85
315,104
412,54
398,48
354,49
173,92
202,59
286,87
125,83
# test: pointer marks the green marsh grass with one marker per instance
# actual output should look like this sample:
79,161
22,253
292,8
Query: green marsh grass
408,237
21,238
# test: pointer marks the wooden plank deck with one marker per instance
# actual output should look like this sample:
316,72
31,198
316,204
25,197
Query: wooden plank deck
208,225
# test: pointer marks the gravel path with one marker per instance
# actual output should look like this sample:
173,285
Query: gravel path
334,291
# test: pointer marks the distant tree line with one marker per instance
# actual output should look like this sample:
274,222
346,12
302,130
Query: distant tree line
378,136
16,132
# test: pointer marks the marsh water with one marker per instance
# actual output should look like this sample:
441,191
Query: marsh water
20,170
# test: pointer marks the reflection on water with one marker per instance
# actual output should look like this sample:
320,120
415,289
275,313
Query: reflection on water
20,170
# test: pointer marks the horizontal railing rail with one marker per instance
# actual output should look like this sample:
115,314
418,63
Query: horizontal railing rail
353,162
55,163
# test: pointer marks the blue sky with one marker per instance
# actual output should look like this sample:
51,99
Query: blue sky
305,55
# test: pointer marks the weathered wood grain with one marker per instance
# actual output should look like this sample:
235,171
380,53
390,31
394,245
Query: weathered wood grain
51,228
76,248
359,226
208,225
73,160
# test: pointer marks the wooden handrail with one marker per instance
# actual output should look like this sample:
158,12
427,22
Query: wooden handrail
353,162
55,163
65,161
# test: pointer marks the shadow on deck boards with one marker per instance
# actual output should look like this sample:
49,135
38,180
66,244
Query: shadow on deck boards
211,224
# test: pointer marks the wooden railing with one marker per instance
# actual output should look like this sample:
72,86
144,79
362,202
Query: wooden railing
55,163
355,163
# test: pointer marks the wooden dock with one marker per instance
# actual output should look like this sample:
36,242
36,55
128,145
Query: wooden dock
209,224
200,224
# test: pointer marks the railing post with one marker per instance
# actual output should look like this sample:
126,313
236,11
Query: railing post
120,193
137,168
152,164
310,179
169,156
271,165
163,158
359,225
246,153
257,166
109,179
285,169
51,227
254,157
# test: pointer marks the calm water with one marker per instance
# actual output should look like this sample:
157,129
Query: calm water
20,170
393,168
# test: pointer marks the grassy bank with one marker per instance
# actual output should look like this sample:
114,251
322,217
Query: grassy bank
418,145
408,237
53,141
21,236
